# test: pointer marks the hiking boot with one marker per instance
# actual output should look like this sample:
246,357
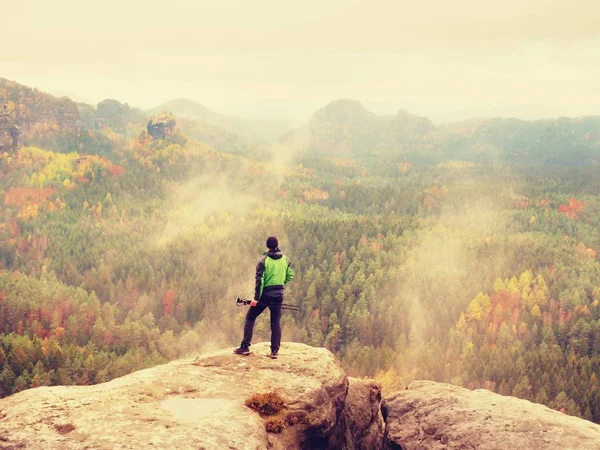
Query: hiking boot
242,350
273,354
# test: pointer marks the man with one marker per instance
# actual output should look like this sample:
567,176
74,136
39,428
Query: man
273,271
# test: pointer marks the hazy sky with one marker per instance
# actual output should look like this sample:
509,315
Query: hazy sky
270,57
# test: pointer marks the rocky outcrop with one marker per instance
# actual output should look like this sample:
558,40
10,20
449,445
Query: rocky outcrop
360,425
436,416
161,126
200,403
29,116
249,132
10,133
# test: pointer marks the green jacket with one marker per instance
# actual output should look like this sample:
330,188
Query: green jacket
273,271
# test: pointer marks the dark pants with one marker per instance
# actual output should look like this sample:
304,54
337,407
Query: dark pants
274,304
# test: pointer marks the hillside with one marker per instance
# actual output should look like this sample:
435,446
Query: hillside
30,117
254,131
219,139
345,129
130,251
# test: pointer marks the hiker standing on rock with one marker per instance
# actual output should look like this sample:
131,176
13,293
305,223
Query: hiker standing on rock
273,271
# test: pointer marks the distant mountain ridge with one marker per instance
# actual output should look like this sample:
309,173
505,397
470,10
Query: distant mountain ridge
255,131
346,129
29,115
190,110
526,112
59,123
341,129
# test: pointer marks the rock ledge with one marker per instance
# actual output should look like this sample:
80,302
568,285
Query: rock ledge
438,416
193,403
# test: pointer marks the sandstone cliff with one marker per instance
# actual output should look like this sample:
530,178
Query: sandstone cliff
36,114
9,133
437,416
200,403
32,117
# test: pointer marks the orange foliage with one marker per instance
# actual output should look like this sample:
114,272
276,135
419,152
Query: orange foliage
46,314
58,333
32,315
82,178
589,252
438,193
13,227
21,245
109,337
168,301
316,194
429,201
339,259
433,196
572,208
28,200
552,306
22,196
564,317
507,300
521,202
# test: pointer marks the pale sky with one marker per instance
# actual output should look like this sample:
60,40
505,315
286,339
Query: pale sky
269,57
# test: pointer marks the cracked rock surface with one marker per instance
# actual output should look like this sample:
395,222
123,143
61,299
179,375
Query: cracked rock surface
437,416
195,403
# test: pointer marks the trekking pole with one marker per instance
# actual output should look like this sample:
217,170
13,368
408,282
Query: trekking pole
243,301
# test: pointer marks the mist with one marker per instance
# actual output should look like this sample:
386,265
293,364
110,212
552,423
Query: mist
424,245
273,61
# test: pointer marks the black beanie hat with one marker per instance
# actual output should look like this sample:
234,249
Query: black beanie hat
272,243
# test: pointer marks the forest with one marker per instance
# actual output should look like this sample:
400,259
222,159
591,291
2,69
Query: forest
430,259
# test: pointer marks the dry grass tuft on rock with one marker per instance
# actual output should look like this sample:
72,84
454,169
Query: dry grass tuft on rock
295,419
267,404
275,426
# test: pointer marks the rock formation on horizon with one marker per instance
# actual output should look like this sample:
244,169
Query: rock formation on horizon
161,125
27,114
9,133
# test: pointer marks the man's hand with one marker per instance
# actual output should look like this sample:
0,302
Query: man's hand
254,302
